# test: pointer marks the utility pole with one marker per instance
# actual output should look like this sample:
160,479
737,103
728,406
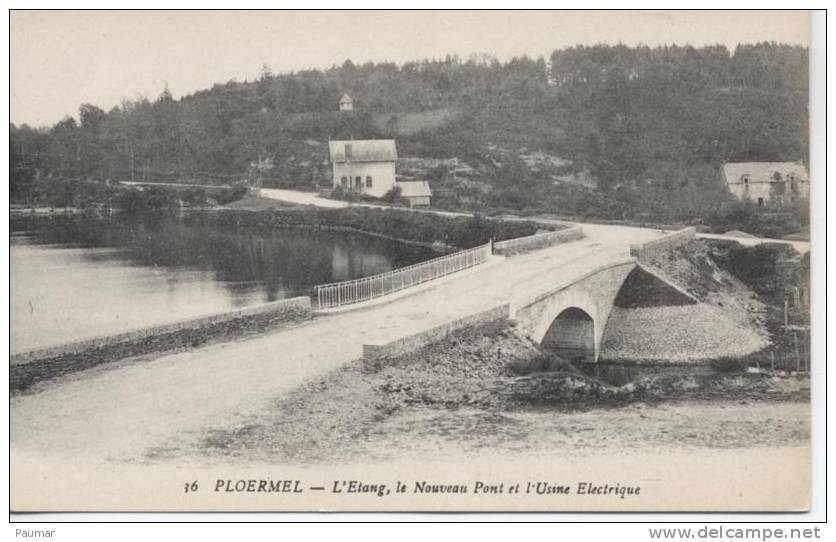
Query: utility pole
786,314
797,354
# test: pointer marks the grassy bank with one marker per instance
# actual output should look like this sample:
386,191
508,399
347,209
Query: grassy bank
424,228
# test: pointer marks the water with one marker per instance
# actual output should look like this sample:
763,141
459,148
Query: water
78,277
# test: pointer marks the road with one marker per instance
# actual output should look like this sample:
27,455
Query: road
128,410
801,246
302,198
311,198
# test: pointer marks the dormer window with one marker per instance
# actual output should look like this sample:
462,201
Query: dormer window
348,151
745,179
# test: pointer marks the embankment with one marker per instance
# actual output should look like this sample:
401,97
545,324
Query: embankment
477,389
679,307
432,230
30,367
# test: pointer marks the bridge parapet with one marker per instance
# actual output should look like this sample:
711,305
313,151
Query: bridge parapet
380,349
537,241
666,241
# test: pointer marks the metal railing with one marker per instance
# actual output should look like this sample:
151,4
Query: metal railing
355,291
540,240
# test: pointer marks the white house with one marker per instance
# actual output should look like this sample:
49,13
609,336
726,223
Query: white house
346,103
364,166
762,182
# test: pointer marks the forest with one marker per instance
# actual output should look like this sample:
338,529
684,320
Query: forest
603,131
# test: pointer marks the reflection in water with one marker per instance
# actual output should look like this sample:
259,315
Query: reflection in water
76,277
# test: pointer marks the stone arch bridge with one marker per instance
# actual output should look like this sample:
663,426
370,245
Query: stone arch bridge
570,317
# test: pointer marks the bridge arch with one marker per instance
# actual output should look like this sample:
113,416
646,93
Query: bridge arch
571,316
571,335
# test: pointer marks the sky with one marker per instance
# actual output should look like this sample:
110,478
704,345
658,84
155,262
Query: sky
60,60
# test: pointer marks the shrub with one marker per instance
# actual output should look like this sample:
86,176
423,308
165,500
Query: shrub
231,194
394,196
757,266
540,363
729,365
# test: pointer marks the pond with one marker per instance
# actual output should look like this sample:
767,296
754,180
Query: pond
75,277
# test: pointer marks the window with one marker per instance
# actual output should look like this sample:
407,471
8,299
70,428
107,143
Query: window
745,179
760,202
793,186
368,181
358,182
348,151
344,181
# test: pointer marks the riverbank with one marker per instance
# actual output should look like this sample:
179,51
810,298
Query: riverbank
484,388
47,364
417,228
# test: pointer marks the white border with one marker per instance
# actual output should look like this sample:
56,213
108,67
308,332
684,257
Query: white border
622,532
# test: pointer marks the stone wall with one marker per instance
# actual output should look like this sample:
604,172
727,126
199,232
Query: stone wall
414,342
669,240
676,334
27,368
537,241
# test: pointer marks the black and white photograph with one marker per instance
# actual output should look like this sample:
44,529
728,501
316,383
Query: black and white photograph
412,261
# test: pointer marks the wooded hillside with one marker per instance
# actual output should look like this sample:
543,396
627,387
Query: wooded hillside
604,131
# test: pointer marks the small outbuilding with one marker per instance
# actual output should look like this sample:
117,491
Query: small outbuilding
346,103
417,193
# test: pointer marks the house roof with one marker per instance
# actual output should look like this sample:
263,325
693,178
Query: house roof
415,189
364,150
346,99
763,172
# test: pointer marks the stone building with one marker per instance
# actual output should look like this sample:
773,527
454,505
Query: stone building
364,166
762,182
